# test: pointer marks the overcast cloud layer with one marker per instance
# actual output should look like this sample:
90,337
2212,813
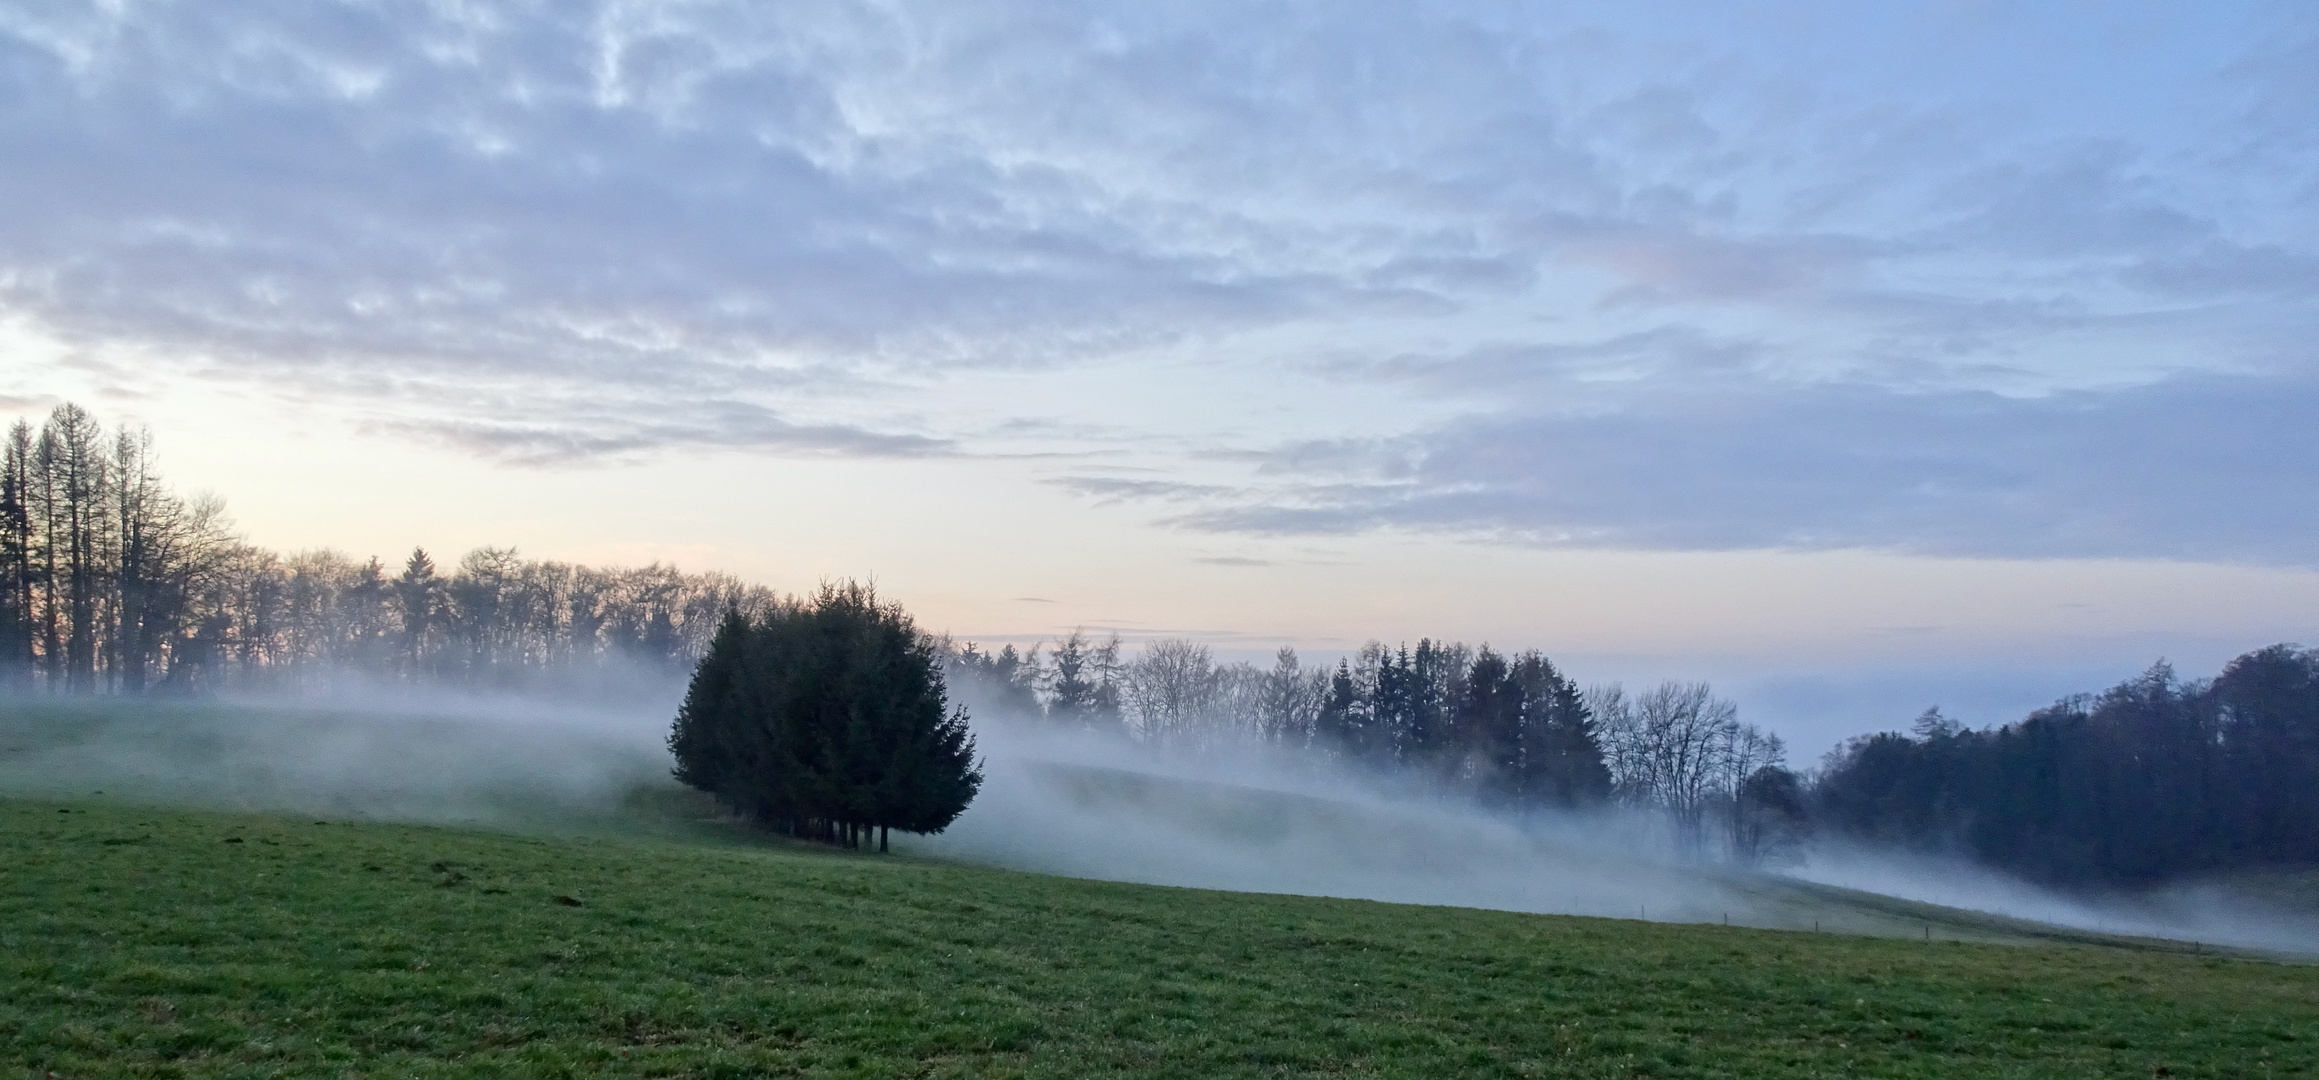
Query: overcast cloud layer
2000,280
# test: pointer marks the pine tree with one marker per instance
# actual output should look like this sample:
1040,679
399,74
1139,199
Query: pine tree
416,594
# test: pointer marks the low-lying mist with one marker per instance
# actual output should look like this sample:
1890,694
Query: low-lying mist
1255,819
1092,808
2260,912
353,750
1243,818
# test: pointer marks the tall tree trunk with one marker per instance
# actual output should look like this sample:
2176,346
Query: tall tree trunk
50,523
76,456
17,545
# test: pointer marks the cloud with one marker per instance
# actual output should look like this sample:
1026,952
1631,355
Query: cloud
2196,468
1536,369
678,206
1106,489
619,435
611,230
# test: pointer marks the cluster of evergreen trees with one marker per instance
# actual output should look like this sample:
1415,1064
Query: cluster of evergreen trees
110,582
2152,779
827,719
1510,728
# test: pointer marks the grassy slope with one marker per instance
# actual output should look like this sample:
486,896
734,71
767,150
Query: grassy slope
147,942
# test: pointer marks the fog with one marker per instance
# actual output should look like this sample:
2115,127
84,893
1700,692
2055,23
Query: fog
2240,912
1252,819
1239,818
1255,821
353,750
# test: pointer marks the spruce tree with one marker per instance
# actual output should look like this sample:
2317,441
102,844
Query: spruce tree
829,720
705,738
1337,726
1071,686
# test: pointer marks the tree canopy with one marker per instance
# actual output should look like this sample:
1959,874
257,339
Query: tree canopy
827,719
2151,779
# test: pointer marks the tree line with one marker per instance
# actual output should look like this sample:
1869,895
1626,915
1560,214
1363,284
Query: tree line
112,583
1509,730
2153,778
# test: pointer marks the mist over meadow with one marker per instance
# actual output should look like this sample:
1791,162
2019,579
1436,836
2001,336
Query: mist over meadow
153,655
983,537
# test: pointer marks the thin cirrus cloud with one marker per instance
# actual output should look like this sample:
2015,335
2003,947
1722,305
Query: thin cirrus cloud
613,434
1663,275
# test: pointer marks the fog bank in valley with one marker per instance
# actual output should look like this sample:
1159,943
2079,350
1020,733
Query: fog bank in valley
1243,818
1252,819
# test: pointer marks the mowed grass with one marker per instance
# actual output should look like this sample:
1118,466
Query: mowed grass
136,941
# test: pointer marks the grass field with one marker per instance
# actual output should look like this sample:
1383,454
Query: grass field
136,941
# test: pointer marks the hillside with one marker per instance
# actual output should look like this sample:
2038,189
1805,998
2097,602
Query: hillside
136,941
1073,809
1134,825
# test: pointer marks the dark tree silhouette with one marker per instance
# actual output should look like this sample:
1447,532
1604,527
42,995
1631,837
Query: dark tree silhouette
111,583
2152,779
1558,759
1082,682
827,720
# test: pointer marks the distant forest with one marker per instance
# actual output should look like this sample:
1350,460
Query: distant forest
112,584
1509,730
2152,779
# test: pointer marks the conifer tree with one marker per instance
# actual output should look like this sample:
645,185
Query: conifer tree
703,738
1338,724
1560,760
829,720
1071,682
415,594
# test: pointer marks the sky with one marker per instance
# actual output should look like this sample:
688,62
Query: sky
1855,357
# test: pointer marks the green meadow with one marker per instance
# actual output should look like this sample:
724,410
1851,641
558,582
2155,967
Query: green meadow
137,941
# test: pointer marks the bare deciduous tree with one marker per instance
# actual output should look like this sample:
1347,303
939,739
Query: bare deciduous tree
1680,750
1171,691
